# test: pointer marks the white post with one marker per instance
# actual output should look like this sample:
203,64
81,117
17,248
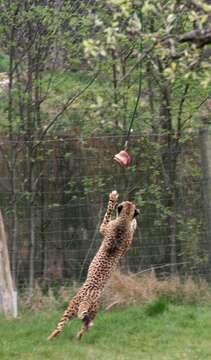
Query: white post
8,296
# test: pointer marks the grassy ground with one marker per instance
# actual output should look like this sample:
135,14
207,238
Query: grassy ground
156,332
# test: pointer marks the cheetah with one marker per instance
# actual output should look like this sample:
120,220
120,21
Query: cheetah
118,236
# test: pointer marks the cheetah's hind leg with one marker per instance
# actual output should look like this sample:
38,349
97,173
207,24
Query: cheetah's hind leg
87,320
86,324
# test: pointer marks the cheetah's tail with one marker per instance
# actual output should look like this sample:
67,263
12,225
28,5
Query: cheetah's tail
69,314
55,333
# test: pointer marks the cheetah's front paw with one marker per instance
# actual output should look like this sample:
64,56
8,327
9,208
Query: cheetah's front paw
113,196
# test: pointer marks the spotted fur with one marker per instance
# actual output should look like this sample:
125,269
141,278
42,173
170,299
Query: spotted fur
118,235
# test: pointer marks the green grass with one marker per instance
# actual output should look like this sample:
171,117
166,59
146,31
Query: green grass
173,332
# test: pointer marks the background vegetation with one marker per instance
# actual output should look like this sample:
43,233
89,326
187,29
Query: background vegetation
72,72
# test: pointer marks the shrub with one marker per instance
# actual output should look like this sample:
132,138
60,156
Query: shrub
124,290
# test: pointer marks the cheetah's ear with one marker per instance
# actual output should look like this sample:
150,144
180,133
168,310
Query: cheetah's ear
119,209
136,212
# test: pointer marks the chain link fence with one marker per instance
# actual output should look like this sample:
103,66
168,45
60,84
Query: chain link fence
54,193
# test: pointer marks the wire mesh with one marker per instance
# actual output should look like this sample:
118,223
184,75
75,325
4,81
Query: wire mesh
70,183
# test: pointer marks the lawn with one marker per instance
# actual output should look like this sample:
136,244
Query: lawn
173,332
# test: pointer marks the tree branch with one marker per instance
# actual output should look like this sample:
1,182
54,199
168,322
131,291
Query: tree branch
141,57
66,105
201,6
196,109
179,117
198,37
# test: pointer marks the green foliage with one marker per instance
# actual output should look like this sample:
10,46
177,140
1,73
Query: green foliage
4,62
50,55
157,307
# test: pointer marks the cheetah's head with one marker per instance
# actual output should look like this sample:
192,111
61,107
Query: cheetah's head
128,209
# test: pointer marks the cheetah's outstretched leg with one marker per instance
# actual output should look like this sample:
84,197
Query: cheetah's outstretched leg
69,314
87,320
113,199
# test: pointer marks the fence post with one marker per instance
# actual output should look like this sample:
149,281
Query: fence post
205,145
8,296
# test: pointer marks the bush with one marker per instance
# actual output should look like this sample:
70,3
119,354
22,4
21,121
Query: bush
126,290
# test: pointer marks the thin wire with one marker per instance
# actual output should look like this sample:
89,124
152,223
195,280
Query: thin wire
138,96
135,108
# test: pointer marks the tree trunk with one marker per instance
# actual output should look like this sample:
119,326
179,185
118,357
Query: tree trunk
13,154
173,240
14,242
205,144
8,296
31,249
